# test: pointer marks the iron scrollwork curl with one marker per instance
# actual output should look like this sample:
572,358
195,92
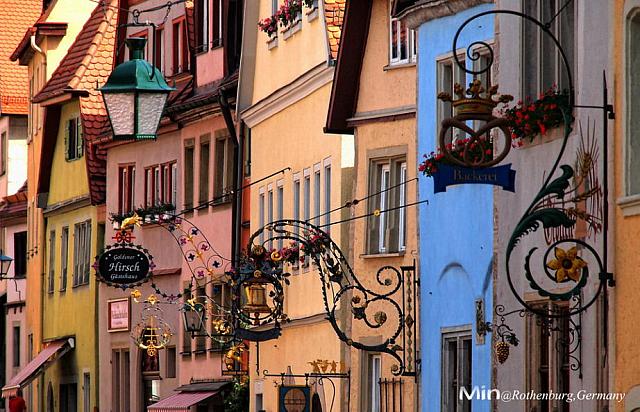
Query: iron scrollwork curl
568,259
341,287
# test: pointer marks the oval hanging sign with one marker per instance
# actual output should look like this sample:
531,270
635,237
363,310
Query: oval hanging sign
124,265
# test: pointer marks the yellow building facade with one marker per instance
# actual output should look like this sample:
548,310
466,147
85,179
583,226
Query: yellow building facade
377,104
285,85
73,238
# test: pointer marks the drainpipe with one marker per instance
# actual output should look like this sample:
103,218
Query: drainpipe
238,144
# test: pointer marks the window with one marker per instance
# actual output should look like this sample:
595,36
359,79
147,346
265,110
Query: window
201,337
632,177
386,225
269,205
449,73
202,26
216,22
316,195
188,176
4,150
171,362
224,168
16,347
203,180
158,57
86,391
456,370
69,397
157,186
81,253
64,257
173,186
261,214
296,198
20,254
180,47
373,383
307,195
52,259
402,43
186,337
280,206
73,141
116,378
402,212
222,299
548,360
327,197
126,188
541,61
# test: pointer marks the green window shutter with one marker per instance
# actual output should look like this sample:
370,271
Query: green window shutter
79,139
66,139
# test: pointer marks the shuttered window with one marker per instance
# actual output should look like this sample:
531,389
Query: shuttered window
81,253
73,141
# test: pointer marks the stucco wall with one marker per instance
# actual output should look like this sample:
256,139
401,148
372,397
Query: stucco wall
532,164
456,227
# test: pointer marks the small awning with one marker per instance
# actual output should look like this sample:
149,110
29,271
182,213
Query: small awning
180,402
46,357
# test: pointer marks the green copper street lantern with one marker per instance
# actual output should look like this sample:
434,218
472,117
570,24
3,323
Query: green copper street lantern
135,95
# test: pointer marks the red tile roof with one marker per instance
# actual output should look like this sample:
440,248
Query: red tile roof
87,65
334,16
16,17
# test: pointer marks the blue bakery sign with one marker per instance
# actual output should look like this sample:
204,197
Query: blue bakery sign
447,175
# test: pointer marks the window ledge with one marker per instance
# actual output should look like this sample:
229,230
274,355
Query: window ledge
185,353
552,134
393,66
221,203
312,14
630,205
200,352
291,30
272,43
381,255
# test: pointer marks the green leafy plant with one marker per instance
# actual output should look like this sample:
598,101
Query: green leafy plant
237,400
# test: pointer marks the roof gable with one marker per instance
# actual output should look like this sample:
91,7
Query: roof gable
86,65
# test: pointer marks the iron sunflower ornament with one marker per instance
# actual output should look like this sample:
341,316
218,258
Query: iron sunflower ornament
567,264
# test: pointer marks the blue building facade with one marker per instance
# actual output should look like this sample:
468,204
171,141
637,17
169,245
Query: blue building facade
456,235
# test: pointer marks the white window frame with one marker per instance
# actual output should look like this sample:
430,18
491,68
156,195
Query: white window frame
457,76
327,195
402,211
374,373
385,177
280,205
396,24
459,335
270,209
317,203
261,212
539,36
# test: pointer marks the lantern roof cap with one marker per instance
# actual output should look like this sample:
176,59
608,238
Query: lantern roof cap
136,74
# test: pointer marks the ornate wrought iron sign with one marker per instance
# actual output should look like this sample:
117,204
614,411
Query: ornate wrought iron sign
566,265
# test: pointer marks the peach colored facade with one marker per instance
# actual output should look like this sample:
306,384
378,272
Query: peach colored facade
389,90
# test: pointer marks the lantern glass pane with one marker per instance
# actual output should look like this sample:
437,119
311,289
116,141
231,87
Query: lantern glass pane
150,107
121,112
5,264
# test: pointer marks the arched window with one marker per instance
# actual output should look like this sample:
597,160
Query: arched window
632,157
